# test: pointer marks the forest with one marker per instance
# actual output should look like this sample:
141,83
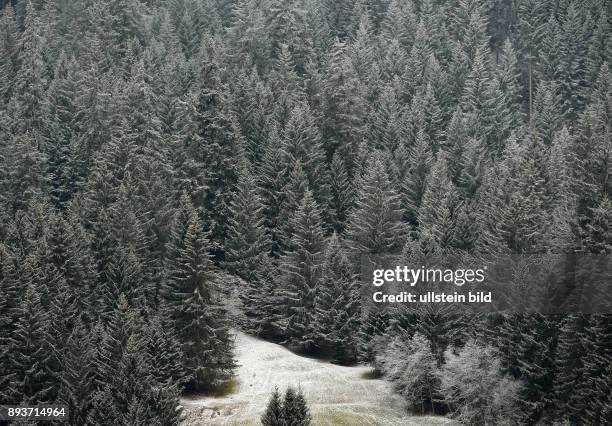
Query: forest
174,170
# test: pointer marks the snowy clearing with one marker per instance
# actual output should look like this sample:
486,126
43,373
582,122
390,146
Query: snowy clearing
336,395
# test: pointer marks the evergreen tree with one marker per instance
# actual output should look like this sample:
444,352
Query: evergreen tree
191,295
8,52
270,181
593,391
302,142
247,242
573,69
301,271
599,232
165,353
420,161
23,176
375,222
77,384
9,298
570,351
32,365
399,21
274,415
30,82
426,117
338,305
295,411
438,211
62,111
293,193
342,193
525,222
223,149
508,73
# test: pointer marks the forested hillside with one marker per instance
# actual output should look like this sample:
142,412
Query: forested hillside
159,157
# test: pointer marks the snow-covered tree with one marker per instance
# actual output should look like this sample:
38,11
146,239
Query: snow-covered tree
375,225
301,272
338,305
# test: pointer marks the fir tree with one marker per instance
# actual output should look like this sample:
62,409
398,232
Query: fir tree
295,411
570,352
599,232
32,365
338,305
273,416
247,241
248,244
375,222
270,180
29,85
420,161
78,373
293,193
191,295
8,52
341,192
437,214
301,271
302,142
23,177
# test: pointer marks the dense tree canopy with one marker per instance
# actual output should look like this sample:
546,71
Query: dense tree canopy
157,157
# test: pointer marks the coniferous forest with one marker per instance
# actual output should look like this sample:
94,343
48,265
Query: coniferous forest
175,170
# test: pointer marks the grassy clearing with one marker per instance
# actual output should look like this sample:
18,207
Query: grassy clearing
339,419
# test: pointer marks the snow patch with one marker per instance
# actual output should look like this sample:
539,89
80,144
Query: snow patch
337,395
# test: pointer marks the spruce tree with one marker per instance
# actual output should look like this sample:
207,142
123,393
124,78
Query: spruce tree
342,193
438,212
338,305
295,411
23,176
569,366
29,84
302,142
375,225
426,117
248,245
32,365
77,385
8,52
573,67
270,180
223,149
301,271
293,194
165,353
420,161
273,416
593,391
63,167
599,231
71,255
247,242
525,221
399,21
192,301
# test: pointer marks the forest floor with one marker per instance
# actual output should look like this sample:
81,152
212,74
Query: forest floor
336,395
